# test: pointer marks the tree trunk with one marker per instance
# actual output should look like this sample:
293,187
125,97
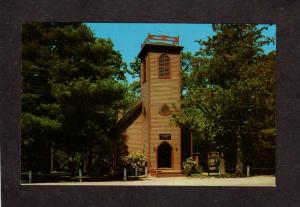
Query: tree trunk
52,164
85,162
85,166
239,155
114,158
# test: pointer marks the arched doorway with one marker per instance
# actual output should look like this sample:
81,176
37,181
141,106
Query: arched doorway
164,154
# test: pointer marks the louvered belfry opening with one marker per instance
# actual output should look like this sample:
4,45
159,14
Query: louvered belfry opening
164,66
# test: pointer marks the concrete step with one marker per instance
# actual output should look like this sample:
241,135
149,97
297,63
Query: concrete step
170,173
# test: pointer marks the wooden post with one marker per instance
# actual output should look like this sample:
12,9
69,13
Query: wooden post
136,172
146,171
248,171
219,170
80,175
30,176
124,174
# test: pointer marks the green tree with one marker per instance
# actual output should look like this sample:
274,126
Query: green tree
135,85
230,93
73,85
187,60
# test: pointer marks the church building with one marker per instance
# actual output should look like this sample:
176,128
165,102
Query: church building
148,126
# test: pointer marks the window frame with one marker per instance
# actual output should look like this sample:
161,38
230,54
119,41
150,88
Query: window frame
165,73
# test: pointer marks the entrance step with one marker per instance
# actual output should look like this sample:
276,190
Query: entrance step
169,173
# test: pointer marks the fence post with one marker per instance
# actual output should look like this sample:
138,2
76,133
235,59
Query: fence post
248,171
124,174
219,170
80,175
30,176
136,172
146,171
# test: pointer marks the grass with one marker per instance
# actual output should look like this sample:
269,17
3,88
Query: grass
74,177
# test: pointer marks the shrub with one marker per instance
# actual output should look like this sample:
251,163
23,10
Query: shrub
68,162
77,159
62,160
198,170
189,165
135,160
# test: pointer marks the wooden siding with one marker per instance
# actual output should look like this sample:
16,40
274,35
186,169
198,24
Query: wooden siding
135,140
164,91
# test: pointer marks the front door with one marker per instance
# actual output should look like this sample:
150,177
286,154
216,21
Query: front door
164,155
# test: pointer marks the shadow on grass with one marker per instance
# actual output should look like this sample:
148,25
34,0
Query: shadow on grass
72,177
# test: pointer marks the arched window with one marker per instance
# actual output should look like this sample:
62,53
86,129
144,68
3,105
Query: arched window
164,66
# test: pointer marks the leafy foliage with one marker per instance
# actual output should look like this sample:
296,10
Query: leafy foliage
189,165
73,85
135,160
135,72
63,160
229,98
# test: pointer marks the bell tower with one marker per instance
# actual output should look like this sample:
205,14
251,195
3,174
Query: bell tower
160,95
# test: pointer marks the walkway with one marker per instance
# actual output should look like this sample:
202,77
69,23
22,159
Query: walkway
181,181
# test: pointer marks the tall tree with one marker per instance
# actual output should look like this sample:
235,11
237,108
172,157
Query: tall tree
230,92
187,60
135,72
73,84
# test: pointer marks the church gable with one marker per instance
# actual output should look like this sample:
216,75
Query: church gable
130,128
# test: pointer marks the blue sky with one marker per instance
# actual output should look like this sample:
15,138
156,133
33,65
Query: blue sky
128,37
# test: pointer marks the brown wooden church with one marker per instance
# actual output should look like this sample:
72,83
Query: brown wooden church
147,126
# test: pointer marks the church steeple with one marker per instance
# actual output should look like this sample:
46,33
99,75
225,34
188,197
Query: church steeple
160,91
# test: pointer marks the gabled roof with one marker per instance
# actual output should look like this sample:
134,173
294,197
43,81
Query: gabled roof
130,117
